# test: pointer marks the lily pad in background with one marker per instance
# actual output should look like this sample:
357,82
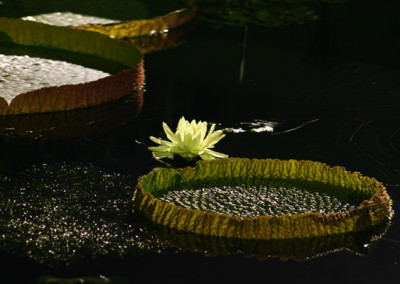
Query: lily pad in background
269,13
69,97
161,41
118,19
291,193
144,27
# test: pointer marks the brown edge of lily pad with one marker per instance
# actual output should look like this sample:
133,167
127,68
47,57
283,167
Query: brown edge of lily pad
370,212
70,97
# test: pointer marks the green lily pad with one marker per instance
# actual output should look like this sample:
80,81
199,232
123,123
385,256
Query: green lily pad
119,19
262,199
73,96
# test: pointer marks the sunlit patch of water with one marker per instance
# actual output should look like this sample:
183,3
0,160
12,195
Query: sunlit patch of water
257,126
65,213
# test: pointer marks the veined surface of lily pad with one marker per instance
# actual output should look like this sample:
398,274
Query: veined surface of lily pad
262,199
68,19
20,74
71,96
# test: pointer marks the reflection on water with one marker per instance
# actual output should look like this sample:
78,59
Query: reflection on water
257,125
63,214
68,124
295,249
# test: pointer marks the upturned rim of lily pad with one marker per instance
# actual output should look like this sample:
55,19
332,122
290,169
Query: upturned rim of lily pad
70,97
375,205
144,27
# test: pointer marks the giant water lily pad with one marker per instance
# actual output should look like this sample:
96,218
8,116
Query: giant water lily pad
72,96
147,24
118,19
262,199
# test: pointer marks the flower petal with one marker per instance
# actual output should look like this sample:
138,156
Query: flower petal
203,130
171,136
160,141
206,156
161,155
215,154
160,149
215,138
209,134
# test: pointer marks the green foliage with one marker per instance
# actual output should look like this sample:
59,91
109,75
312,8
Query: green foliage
255,174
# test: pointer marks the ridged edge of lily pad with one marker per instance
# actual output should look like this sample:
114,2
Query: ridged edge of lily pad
144,27
69,97
374,207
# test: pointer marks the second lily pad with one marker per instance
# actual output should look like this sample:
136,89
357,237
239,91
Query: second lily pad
262,199
73,96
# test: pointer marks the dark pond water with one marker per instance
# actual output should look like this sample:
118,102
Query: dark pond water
329,88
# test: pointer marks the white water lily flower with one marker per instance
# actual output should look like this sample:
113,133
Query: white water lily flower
189,141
